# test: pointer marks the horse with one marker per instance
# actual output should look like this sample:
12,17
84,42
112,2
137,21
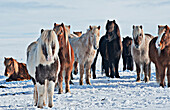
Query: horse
43,65
159,53
66,55
140,52
79,33
85,50
15,71
126,54
110,48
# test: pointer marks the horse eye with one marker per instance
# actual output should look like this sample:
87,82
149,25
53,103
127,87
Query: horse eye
140,34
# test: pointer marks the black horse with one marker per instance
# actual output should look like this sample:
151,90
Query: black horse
110,48
126,54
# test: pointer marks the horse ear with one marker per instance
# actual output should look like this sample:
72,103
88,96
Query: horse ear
114,21
166,27
107,21
55,24
42,30
90,27
141,26
81,32
158,26
133,26
69,26
98,27
62,24
5,58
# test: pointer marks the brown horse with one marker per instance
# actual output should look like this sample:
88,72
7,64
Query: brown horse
78,33
66,55
160,55
15,71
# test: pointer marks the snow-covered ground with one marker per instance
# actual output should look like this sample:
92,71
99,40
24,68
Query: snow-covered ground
21,22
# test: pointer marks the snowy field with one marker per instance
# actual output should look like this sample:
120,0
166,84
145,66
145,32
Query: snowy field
21,22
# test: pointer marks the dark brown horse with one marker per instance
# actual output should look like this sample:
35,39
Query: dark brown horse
110,47
126,54
160,55
66,55
15,71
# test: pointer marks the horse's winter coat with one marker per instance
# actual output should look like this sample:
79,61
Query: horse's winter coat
44,65
140,52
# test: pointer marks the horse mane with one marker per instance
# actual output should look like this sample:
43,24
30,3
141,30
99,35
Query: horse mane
65,32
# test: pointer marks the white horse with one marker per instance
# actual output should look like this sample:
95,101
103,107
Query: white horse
43,65
85,48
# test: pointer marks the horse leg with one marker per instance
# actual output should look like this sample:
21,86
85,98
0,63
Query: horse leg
112,68
102,66
124,63
106,67
81,73
41,94
60,80
138,69
75,67
88,64
93,66
35,95
168,75
50,90
146,71
161,71
157,74
67,79
116,69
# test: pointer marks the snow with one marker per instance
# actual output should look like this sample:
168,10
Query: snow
21,22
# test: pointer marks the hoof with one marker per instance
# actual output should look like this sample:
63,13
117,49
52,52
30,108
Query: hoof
68,91
40,106
117,76
146,79
94,76
50,105
162,85
107,75
60,91
88,82
71,82
138,80
81,82
168,84
112,76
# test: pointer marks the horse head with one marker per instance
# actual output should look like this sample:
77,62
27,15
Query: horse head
11,66
48,44
138,36
95,36
61,33
127,42
161,31
112,30
165,38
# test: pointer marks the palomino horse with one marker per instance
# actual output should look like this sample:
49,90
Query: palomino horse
85,48
159,53
66,55
140,52
43,65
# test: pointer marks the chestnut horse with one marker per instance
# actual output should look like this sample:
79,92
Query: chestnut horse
16,71
159,53
66,55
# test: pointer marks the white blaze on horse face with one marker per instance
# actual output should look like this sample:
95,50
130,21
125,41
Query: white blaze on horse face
161,31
